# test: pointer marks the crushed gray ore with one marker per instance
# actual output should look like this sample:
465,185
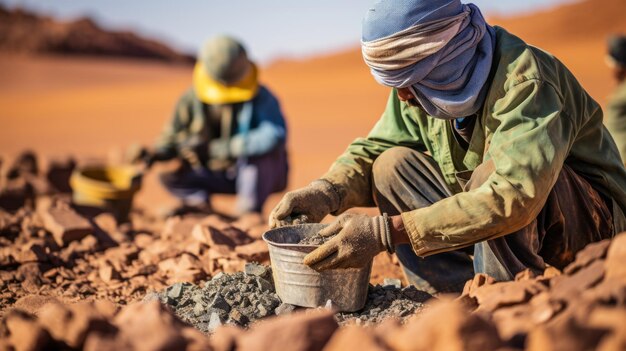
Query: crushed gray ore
244,297
315,239
387,301
237,299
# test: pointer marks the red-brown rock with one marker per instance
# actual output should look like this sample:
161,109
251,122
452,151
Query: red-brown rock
257,251
25,333
225,338
354,338
298,332
494,296
219,234
108,273
479,280
180,228
33,303
30,275
149,326
33,251
66,225
586,256
72,323
568,332
566,287
445,326
615,267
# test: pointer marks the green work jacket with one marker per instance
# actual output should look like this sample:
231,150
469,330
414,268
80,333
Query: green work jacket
616,119
535,119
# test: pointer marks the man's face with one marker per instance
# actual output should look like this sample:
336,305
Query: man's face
406,95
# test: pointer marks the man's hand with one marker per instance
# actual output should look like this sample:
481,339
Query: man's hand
220,149
307,205
357,239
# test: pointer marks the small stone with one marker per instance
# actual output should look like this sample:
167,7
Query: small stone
25,333
220,303
199,309
284,308
152,296
239,318
264,285
108,273
390,282
262,311
256,270
615,258
302,331
175,291
215,322
66,225
254,251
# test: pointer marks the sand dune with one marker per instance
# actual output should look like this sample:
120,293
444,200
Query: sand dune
89,106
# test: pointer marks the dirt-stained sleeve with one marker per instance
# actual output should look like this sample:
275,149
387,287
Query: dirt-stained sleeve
167,141
532,136
352,171
616,120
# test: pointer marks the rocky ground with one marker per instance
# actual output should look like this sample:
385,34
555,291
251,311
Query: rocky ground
71,279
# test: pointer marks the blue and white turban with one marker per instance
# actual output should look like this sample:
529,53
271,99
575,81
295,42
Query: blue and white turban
441,49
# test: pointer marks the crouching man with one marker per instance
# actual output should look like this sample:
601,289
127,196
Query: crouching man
489,157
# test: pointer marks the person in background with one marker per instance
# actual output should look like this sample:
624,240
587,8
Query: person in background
229,132
616,111
489,157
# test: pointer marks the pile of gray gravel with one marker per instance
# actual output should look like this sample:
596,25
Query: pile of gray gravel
237,299
387,301
244,297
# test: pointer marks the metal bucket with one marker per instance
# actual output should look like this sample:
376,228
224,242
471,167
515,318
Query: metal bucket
299,285
110,188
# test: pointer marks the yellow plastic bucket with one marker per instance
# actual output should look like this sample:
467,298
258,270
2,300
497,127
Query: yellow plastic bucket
110,188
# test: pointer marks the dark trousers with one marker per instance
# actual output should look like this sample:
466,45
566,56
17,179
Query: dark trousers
574,215
253,179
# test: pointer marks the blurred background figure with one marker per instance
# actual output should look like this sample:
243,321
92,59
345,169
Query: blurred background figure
228,131
616,111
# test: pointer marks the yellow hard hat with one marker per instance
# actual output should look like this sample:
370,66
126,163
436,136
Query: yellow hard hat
224,74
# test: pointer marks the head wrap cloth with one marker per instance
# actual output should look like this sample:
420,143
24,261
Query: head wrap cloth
441,49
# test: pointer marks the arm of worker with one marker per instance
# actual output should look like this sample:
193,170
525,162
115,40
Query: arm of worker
351,174
532,136
166,147
616,123
270,129
348,183
531,140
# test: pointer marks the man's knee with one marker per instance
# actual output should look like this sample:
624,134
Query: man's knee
388,166
169,179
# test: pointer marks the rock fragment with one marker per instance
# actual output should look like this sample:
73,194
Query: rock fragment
25,334
301,331
66,225
392,283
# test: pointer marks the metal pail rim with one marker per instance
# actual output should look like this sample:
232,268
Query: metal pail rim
300,230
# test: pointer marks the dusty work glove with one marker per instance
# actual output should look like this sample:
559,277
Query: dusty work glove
150,158
307,205
220,149
357,239
194,151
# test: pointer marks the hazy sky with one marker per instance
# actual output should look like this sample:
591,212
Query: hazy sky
269,28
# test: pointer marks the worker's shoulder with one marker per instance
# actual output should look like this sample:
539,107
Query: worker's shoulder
518,62
187,97
265,95
618,98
